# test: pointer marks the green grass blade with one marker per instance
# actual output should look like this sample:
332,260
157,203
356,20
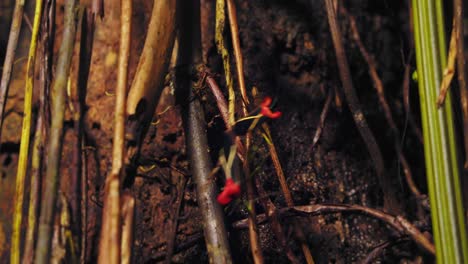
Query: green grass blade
442,166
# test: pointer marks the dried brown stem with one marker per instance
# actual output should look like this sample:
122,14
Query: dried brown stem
398,223
223,109
78,85
48,208
449,70
10,57
406,103
390,202
273,216
458,14
253,230
121,90
267,204
220,100
84,202
323,116
127,202
231,7
285,188
181,182
186,244
111,232
148,82
378,85
128,225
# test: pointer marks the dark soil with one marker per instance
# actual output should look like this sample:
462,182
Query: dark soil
288,54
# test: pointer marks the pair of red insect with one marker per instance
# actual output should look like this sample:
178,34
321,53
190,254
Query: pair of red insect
231,188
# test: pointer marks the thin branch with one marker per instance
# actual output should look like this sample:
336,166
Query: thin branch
76,92
148,82
406,102
171,234
43,248
253,230
128,226
10,57
111,232
398,223
223,109
88,26
121,90
379,87
231,7
390,202
323,116
266,202
189,53
458,14
220,100
273,214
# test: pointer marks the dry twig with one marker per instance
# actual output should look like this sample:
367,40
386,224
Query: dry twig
378,85
406,102
266,202
43,249
449,70
10,57
390,202
398,223
253,230
323,116
128,225
149,79
458,16
111,233
181,182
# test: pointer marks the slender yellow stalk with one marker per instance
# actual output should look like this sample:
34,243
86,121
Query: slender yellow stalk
25,135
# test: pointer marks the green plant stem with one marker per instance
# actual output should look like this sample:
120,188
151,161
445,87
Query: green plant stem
43,249
442,167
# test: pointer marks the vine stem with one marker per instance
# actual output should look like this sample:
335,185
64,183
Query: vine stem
390,202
